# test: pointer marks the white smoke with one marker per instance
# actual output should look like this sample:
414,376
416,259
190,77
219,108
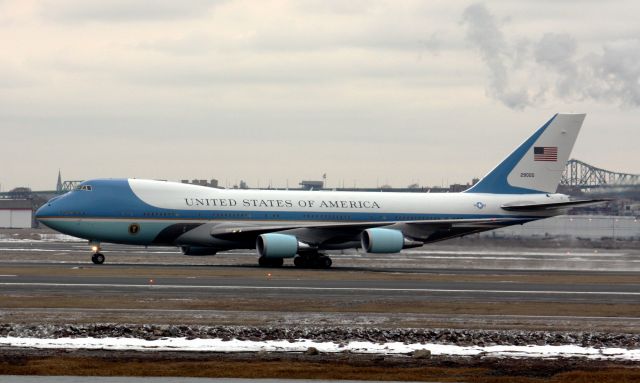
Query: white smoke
483,32
516,69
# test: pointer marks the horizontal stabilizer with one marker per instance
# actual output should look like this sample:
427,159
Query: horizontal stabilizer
552,206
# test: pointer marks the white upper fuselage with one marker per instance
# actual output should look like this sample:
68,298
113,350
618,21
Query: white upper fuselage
307,205
103,209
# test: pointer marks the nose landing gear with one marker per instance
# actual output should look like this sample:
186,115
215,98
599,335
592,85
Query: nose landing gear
97,257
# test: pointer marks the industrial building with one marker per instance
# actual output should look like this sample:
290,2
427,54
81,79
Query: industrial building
16,213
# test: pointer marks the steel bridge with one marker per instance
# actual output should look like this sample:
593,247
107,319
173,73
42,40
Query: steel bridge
69,185
578,174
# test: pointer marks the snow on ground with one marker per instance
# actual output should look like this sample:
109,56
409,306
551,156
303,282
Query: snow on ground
45,237
301,345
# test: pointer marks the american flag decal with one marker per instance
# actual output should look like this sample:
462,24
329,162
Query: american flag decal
545,153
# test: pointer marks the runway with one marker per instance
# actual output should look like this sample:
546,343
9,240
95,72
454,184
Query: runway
540,287
435,256
283,286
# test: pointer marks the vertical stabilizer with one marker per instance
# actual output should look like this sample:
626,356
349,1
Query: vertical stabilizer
535,166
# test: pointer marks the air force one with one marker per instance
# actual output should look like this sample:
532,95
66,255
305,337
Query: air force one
303,224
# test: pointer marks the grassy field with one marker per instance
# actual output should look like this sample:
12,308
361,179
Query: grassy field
299,366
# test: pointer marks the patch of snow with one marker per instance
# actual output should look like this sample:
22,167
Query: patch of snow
300,345
60,238
53,237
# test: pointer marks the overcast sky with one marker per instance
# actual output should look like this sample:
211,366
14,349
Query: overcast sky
368,92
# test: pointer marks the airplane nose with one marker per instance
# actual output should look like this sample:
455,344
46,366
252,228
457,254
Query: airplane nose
47,209
42,211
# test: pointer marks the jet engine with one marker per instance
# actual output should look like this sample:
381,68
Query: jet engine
378,240
275,245
198,250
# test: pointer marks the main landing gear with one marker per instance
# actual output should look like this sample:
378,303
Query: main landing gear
305,261
312,261
97,257
270,262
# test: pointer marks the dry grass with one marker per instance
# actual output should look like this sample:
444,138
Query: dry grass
372,369
319,304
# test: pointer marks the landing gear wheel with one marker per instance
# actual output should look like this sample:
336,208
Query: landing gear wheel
97,258
323,262
312,261
304,261
270,262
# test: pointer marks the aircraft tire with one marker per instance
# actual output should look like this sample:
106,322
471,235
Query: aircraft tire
306,261
97,258
323,262
299,262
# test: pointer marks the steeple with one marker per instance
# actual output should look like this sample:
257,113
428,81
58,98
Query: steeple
59,184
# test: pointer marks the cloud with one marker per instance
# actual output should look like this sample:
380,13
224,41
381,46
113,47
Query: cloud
525,73
556,52
483,32
616,73
192,44
73,11
13,76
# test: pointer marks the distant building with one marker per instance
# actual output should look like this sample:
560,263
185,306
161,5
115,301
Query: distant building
457,188
16,213
213,183
21,192
312,185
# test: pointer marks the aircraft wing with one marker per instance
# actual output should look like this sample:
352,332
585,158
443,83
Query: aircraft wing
335,232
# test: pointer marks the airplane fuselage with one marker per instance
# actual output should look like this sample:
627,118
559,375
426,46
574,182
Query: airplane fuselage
104,210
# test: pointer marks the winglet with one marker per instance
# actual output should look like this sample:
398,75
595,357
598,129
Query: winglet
535,166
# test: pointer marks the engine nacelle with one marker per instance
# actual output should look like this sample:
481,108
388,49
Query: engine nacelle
275,245
198,250
378,240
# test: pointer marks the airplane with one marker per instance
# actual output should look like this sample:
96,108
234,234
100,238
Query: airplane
303,225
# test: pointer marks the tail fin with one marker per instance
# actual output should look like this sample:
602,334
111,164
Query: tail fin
535,166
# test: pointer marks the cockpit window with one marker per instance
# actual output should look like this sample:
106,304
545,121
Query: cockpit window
84,187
